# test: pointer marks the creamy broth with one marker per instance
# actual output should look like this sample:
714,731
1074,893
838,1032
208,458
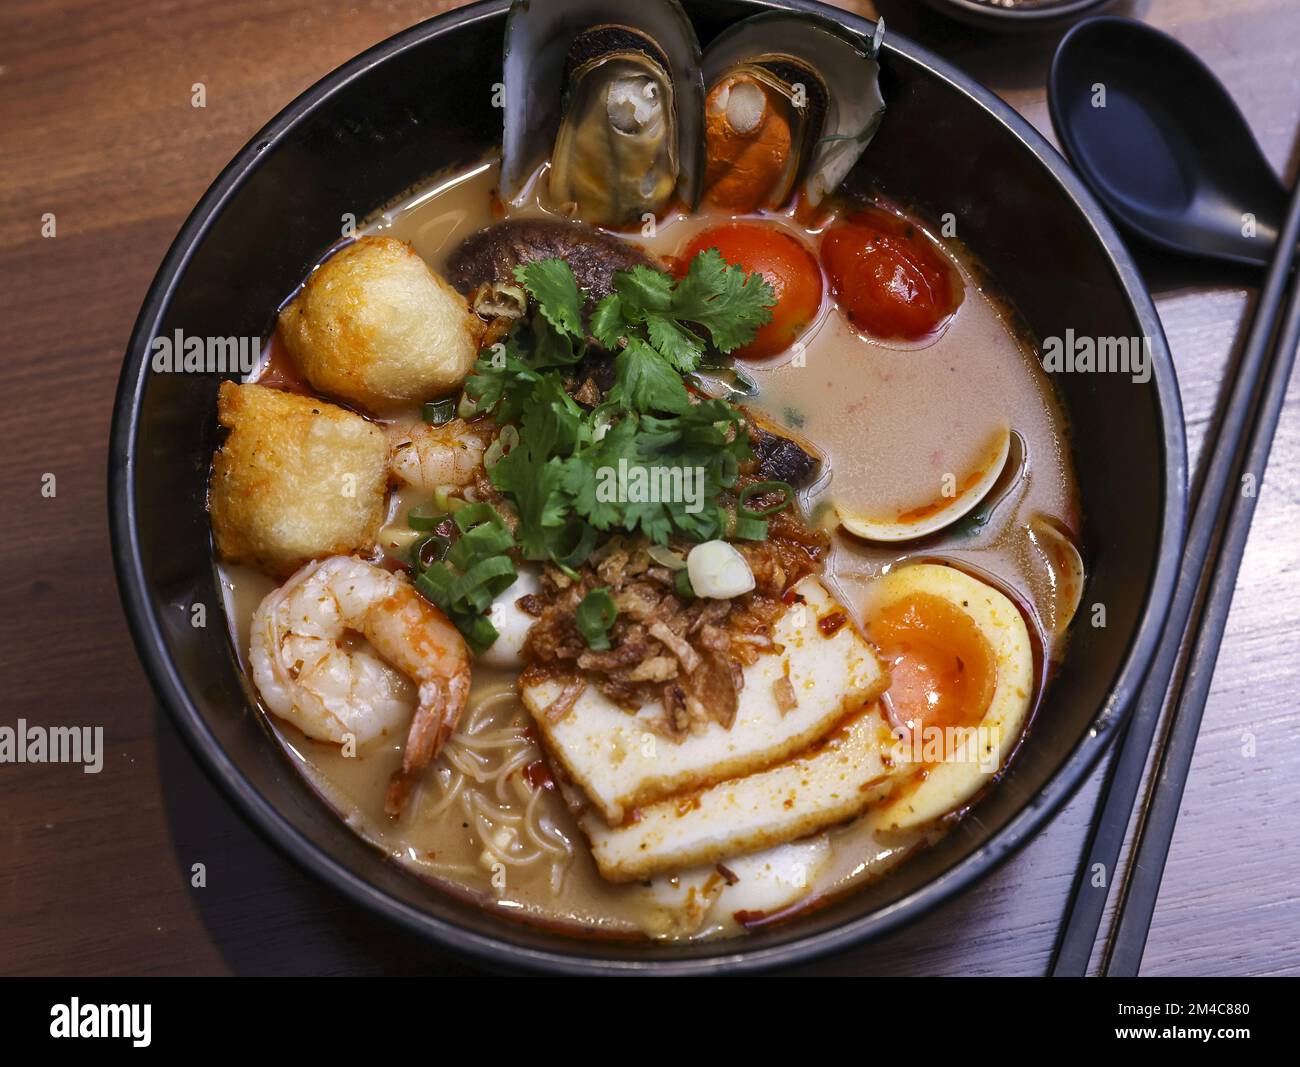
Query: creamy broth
890,420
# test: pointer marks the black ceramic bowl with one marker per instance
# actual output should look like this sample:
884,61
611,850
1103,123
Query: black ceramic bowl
419,103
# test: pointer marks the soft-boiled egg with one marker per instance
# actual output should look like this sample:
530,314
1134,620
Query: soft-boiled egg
957,497
961,670
512,623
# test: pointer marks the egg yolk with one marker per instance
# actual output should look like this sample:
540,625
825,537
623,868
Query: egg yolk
942,669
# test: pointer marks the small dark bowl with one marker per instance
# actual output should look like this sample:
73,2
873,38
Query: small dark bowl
419,103
1040,18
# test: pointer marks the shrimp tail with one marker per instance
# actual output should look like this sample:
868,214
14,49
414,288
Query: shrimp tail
441,703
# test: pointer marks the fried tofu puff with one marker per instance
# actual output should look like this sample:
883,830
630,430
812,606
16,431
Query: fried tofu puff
297,479
375,326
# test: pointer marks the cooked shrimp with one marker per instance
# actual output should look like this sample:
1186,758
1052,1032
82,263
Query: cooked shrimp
428,457
308,672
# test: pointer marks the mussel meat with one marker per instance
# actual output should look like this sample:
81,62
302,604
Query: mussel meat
792,99
616,106
615,157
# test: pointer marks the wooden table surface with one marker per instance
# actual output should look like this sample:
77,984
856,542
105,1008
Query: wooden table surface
96,127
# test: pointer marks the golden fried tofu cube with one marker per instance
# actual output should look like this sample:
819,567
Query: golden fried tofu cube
295,480
374,325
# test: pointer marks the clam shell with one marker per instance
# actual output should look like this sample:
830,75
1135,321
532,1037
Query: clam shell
1062,565
914,523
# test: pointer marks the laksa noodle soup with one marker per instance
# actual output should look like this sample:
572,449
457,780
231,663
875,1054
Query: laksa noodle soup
635,533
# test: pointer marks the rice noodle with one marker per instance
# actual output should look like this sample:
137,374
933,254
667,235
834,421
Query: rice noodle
481,774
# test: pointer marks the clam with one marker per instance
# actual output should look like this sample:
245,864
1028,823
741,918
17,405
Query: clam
1062,569
977,486
612,95
792,100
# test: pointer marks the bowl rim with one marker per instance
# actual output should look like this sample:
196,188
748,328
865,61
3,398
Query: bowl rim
990,17
164,675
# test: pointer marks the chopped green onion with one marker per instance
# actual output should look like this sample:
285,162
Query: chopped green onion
762,489
479,585
444,501
722,382
479,542
666,557
434,584
465,577
474,514
579,552
479,633
421,517
595,615
439,412
506,440
428,550
748,528
682,582
567,571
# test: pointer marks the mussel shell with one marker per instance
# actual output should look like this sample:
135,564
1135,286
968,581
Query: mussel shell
598,43
848,72
539,36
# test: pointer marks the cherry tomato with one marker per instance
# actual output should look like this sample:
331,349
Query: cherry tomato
786,265
888,277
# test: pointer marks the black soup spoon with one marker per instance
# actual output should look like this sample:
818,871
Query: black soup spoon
1157,137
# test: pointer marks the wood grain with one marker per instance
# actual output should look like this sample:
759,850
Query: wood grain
98,128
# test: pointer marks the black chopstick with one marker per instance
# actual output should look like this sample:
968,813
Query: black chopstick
1142,885
1210,519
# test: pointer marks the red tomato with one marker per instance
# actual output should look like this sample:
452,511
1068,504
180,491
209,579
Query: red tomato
786,265
888,277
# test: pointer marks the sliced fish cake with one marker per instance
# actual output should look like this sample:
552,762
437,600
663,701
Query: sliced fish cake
834,780
619,762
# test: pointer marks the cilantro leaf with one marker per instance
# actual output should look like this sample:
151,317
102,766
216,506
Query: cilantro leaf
679,344
578,472
551,283
729,303
644,289
535,485
502,378
608,325
645,381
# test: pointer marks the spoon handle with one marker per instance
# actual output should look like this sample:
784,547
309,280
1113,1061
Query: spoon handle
1208,569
